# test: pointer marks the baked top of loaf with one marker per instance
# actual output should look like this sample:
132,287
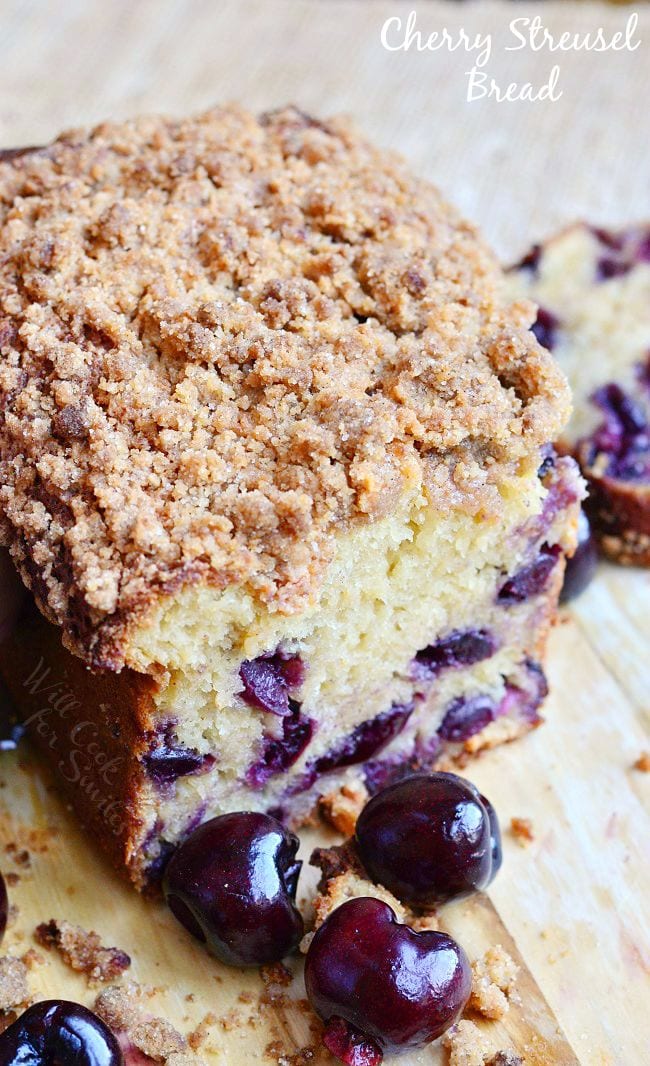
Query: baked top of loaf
226,338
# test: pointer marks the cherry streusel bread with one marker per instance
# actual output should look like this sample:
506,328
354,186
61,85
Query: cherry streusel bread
275,467
593,291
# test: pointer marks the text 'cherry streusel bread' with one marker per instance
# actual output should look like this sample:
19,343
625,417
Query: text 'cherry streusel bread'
275,466
593,291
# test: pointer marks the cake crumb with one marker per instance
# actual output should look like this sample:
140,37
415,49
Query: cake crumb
643,762
12,878
522,831
119,1006
157,1038
14,990
83,951
466,1044
342,807
493,981
200,1034
506,1058
32,959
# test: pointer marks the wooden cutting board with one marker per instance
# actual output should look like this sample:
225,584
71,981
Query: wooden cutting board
573,905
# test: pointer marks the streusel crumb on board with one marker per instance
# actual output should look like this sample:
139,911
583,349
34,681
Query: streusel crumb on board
223,339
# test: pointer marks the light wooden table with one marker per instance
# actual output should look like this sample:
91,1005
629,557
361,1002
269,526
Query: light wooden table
574,905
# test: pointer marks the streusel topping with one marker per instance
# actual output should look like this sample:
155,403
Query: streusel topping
225,338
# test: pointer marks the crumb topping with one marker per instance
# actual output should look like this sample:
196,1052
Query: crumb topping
14,990
466,1045
342,807
493,981
83,951
223,339
120,1007
522,831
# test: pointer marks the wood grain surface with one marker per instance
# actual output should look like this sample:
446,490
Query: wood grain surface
573,905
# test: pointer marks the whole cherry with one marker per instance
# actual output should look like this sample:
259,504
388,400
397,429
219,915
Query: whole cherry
430,838
59,1033
379,986
232,884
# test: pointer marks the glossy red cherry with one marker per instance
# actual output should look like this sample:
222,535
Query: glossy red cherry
232,884
59,1033
381,987
429,838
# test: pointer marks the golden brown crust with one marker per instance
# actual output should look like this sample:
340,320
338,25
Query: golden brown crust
91,727
225,337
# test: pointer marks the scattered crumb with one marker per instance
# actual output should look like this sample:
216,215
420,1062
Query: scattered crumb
83,951
423,923
157,1038
183,1058
12,914
276,974
506,1058
466,1044
277,979
198,1036
12,878
32,959
22,858
278,1054
342,807
643,762
230,1020
119,1006
522,830
493,980
14,990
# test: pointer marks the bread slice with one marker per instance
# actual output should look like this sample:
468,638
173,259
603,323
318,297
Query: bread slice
275,467
593,290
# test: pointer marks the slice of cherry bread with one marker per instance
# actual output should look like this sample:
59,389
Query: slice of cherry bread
593,291
275,467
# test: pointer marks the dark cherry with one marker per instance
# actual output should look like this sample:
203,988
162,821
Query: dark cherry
358,746
269,679
168,760
232,884
463,647
624,435
58,1033
581,567
545,328
464,717
429,838
379,986
279,753
531,579
531,260
4,907
495,835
